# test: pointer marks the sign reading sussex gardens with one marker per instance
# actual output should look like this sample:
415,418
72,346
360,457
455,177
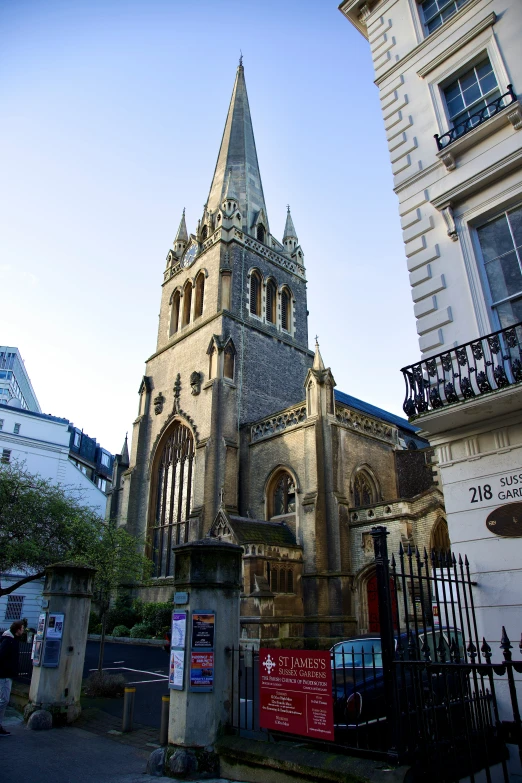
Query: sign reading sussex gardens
296,692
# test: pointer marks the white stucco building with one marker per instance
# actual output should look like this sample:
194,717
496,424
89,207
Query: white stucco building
43,443
448,73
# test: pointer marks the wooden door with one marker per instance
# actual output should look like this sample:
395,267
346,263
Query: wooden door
374,625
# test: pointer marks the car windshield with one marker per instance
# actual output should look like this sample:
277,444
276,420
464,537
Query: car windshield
357,653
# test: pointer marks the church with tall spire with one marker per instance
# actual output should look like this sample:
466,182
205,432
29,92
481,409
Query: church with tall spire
241,434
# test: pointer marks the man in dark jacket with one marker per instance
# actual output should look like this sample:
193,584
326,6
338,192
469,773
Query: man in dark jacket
10,642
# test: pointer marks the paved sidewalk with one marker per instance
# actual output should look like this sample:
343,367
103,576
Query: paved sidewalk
72,755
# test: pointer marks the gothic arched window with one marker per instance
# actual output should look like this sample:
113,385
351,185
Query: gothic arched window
290,581
271,297
260,233
363,490
172,491
204,233
285,310
174,314
228,362
200,292
281,498
187,304
255,293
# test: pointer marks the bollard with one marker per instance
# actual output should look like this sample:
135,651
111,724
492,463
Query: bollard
128,708
164,728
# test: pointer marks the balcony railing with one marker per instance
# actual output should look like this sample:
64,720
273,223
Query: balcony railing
461,128
463,373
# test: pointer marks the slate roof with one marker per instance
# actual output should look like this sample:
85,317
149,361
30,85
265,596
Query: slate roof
372,410
256,531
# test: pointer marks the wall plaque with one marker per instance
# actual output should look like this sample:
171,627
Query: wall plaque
506,521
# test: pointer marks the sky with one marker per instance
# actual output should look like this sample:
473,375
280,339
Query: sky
113,112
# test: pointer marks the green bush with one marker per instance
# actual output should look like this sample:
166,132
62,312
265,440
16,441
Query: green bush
141,631
121,615
94,622
157,616
103,684
120,630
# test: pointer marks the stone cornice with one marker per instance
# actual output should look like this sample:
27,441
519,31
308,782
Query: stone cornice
454,21
459,44
498,169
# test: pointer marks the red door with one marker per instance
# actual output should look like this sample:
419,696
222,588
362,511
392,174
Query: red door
373,605
374,625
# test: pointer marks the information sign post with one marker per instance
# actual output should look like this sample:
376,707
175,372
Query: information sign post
296,692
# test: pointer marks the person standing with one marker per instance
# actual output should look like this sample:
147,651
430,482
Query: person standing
9,646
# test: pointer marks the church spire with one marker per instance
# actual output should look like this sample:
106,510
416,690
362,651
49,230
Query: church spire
181,240
318,359
237,168
182,235
124,457
290,237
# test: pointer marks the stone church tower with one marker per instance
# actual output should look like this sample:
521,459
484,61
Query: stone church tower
232,347
241,434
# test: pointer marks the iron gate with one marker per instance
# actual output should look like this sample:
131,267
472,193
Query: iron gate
441,684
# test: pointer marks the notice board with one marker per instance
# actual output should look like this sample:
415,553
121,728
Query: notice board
296,692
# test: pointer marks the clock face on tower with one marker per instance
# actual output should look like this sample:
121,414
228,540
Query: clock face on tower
190,255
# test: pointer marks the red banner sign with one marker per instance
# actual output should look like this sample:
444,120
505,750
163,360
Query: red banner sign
296,692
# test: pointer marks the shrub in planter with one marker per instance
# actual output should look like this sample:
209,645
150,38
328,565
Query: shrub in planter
108,685
141,631
121,630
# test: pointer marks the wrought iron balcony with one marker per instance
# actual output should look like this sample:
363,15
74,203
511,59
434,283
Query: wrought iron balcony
466,372
461,128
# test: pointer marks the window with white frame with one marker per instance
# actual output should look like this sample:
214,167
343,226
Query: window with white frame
13,610
6,456
500,241
1,424
435,12
469,97
16,429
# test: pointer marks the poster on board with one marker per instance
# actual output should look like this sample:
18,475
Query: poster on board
203,626
55,626
40,628
179,629
36,655
202,671
176,669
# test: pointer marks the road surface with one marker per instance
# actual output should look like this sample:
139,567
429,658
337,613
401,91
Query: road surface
145,668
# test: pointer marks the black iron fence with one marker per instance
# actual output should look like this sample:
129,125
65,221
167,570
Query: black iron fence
423,690
443,711
25,664
465,372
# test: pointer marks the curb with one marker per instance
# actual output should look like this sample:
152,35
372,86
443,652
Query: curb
95,637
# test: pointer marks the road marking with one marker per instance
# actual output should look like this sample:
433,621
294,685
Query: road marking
139,682
125,669
118,661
